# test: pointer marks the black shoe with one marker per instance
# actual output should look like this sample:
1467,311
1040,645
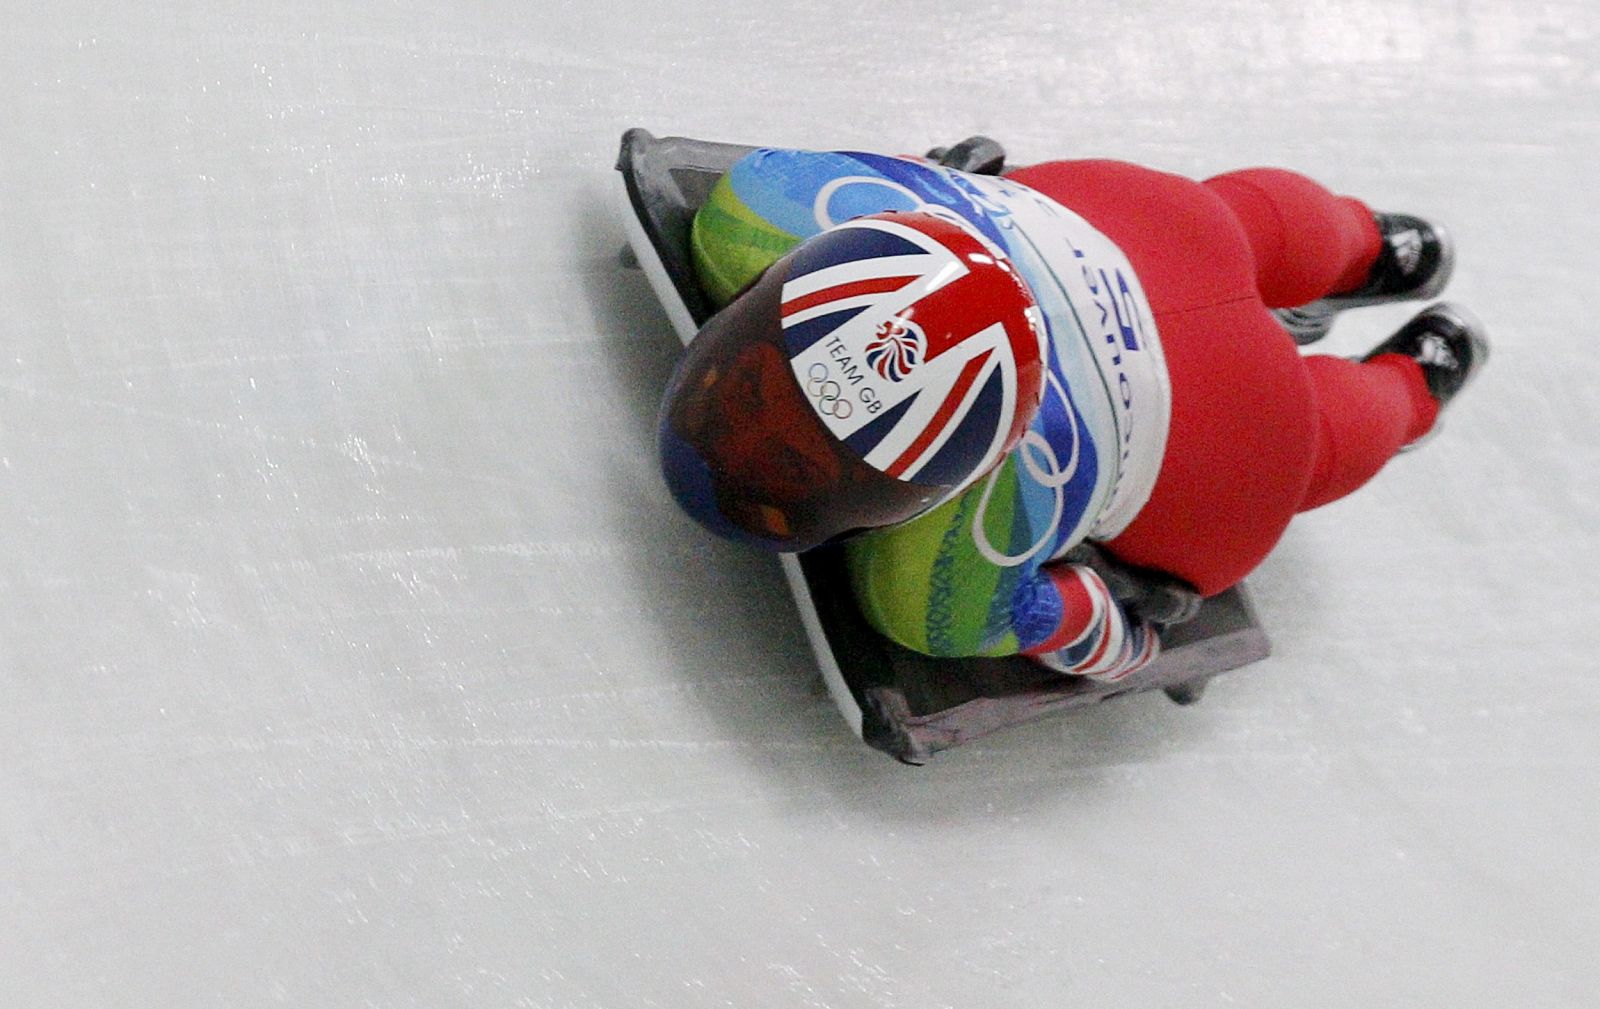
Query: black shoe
1447,341
1413,264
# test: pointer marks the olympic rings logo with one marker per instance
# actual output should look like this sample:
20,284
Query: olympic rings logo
826,394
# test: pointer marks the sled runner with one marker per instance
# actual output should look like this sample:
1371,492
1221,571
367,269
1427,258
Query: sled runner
901,702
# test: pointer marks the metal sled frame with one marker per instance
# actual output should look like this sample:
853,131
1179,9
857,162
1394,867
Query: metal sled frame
906,704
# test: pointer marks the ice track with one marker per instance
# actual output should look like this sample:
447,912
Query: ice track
351,653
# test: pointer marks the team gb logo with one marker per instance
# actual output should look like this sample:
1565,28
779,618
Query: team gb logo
897,347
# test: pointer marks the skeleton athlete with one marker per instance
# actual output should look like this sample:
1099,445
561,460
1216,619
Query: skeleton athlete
977,376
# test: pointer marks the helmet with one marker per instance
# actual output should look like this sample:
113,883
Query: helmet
879,368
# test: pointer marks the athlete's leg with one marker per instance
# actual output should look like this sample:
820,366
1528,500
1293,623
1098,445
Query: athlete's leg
1258,432
1307,242
1369,411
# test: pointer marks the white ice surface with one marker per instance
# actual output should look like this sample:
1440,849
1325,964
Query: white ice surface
351,653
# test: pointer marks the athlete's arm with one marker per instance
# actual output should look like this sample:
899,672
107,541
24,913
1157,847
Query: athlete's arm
926,585
1067,619
772,199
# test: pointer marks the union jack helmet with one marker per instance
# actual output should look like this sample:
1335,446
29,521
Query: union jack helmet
879,368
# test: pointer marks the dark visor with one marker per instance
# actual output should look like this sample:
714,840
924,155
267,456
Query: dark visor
744,453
